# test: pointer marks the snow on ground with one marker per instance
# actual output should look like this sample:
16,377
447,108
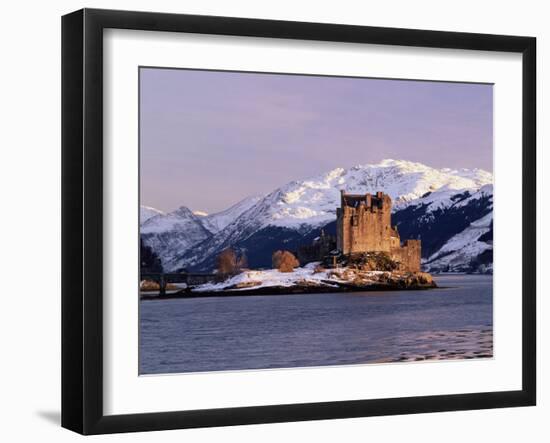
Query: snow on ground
274,278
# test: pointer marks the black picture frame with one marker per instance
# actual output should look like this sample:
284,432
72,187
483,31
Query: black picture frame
82,215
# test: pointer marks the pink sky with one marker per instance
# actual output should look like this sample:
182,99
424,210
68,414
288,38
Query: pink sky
210,138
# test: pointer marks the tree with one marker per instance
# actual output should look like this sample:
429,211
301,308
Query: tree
242,262
149,260
226,263
284,261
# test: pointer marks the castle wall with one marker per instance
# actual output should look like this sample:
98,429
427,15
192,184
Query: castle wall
408,256
364,225
341,239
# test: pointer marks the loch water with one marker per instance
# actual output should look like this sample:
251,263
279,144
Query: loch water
453,321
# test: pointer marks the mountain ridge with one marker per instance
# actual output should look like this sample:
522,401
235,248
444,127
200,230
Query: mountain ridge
300,207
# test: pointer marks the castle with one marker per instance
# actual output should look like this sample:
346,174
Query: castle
364,225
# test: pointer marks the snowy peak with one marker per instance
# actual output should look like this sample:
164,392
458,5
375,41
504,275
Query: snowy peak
146,212
177,232
425,201
405,181
218,221
179,219
184,213
170,234
445,197
313,201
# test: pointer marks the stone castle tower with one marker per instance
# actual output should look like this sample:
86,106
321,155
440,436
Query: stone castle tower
364,225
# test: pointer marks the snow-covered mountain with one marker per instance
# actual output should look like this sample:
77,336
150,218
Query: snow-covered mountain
218,221
146,212
423,197
170,234
313,201
456,230
459,251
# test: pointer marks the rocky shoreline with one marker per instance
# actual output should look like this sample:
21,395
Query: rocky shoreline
343,280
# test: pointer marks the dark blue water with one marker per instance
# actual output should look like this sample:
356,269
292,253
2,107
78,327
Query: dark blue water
254,332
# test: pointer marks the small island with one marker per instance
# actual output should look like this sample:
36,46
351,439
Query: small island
275,232
366,255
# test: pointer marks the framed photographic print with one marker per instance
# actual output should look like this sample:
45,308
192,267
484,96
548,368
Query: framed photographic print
269,221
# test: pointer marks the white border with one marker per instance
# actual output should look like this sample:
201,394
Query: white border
125,392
